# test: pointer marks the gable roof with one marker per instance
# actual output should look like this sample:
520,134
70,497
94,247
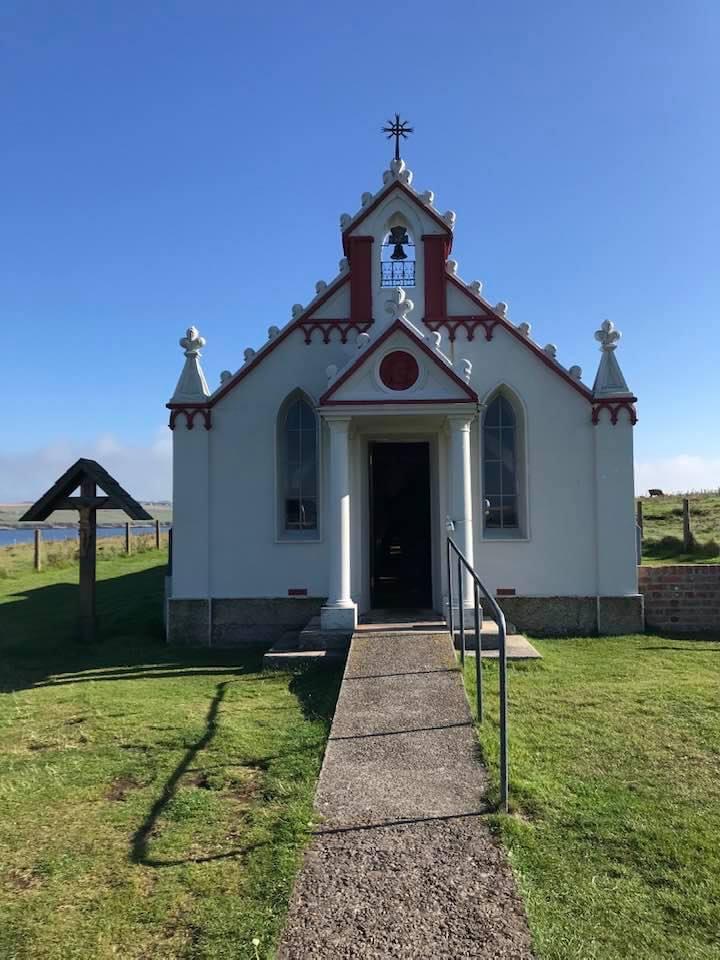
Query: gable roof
118,498
401,327
378,199
511,329
263,352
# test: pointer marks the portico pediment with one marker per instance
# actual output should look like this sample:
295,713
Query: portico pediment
401,366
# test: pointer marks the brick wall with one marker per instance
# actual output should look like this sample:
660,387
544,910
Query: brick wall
682,597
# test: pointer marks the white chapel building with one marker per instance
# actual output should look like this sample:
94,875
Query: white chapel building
399,407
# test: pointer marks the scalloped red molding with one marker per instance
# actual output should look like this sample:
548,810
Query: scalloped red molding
190,414
326,327
614,406
470,325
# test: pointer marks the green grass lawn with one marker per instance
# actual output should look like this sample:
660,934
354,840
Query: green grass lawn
615,779
153,801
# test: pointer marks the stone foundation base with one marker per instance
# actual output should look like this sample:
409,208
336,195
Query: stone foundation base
338,619
244,622
575,616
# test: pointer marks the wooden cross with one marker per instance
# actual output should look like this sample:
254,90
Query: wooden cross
88,476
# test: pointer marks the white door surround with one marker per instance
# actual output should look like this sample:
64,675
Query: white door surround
446,429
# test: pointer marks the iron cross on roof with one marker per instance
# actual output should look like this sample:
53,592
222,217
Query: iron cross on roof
397,128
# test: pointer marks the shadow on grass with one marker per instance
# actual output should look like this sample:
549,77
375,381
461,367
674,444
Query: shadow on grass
39,647
316,689
139,848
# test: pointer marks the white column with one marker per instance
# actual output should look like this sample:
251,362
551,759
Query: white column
460,493
339,613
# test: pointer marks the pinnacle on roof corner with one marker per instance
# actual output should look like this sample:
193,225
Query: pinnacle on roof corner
609,380
192,386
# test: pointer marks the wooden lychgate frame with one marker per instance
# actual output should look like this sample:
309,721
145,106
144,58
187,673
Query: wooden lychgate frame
88,476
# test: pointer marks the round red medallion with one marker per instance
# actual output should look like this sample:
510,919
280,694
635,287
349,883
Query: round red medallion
399,370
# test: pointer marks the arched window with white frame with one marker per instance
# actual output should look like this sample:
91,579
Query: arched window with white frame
298,469
503,477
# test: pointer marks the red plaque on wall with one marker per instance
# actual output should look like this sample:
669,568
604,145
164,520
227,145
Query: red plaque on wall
399,370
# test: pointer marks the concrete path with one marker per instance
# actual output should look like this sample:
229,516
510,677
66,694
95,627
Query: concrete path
403,865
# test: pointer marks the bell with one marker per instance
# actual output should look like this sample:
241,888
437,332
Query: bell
398,237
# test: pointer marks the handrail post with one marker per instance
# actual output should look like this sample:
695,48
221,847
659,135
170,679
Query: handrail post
478,653
451,625
461,610
503,717
499,617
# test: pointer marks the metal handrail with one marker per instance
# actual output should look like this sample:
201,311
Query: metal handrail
499,618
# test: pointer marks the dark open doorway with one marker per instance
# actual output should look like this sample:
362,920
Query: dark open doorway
400,566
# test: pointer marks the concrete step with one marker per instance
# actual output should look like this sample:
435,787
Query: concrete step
309,645
292,659
517,647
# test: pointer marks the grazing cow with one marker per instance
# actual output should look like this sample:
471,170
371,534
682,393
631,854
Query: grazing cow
656,493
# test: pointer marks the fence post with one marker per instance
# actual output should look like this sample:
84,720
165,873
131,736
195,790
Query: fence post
640,518
687,532
157,534
127,538
38,556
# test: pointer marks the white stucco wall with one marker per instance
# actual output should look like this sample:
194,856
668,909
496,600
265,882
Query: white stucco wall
577,536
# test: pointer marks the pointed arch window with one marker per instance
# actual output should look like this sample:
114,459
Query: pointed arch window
501,474
298,469
397,258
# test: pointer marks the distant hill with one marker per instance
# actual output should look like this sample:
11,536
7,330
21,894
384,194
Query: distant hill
9,513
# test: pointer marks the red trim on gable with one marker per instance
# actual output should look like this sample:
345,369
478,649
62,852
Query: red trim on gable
398,325
269,347
396,185
391,402
453,324
581,388
326,327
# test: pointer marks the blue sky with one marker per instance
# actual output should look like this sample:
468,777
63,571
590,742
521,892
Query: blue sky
182,163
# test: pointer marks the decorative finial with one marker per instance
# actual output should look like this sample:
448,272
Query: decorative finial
297,310
397,128
467,369
273,332
320,287
524,329
609,380
225,376
248,354
550,350
331,372
362,340
575,372
192,342
428,197
607,336
343,265
502,308
192,386
475,286
399,305
452,267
